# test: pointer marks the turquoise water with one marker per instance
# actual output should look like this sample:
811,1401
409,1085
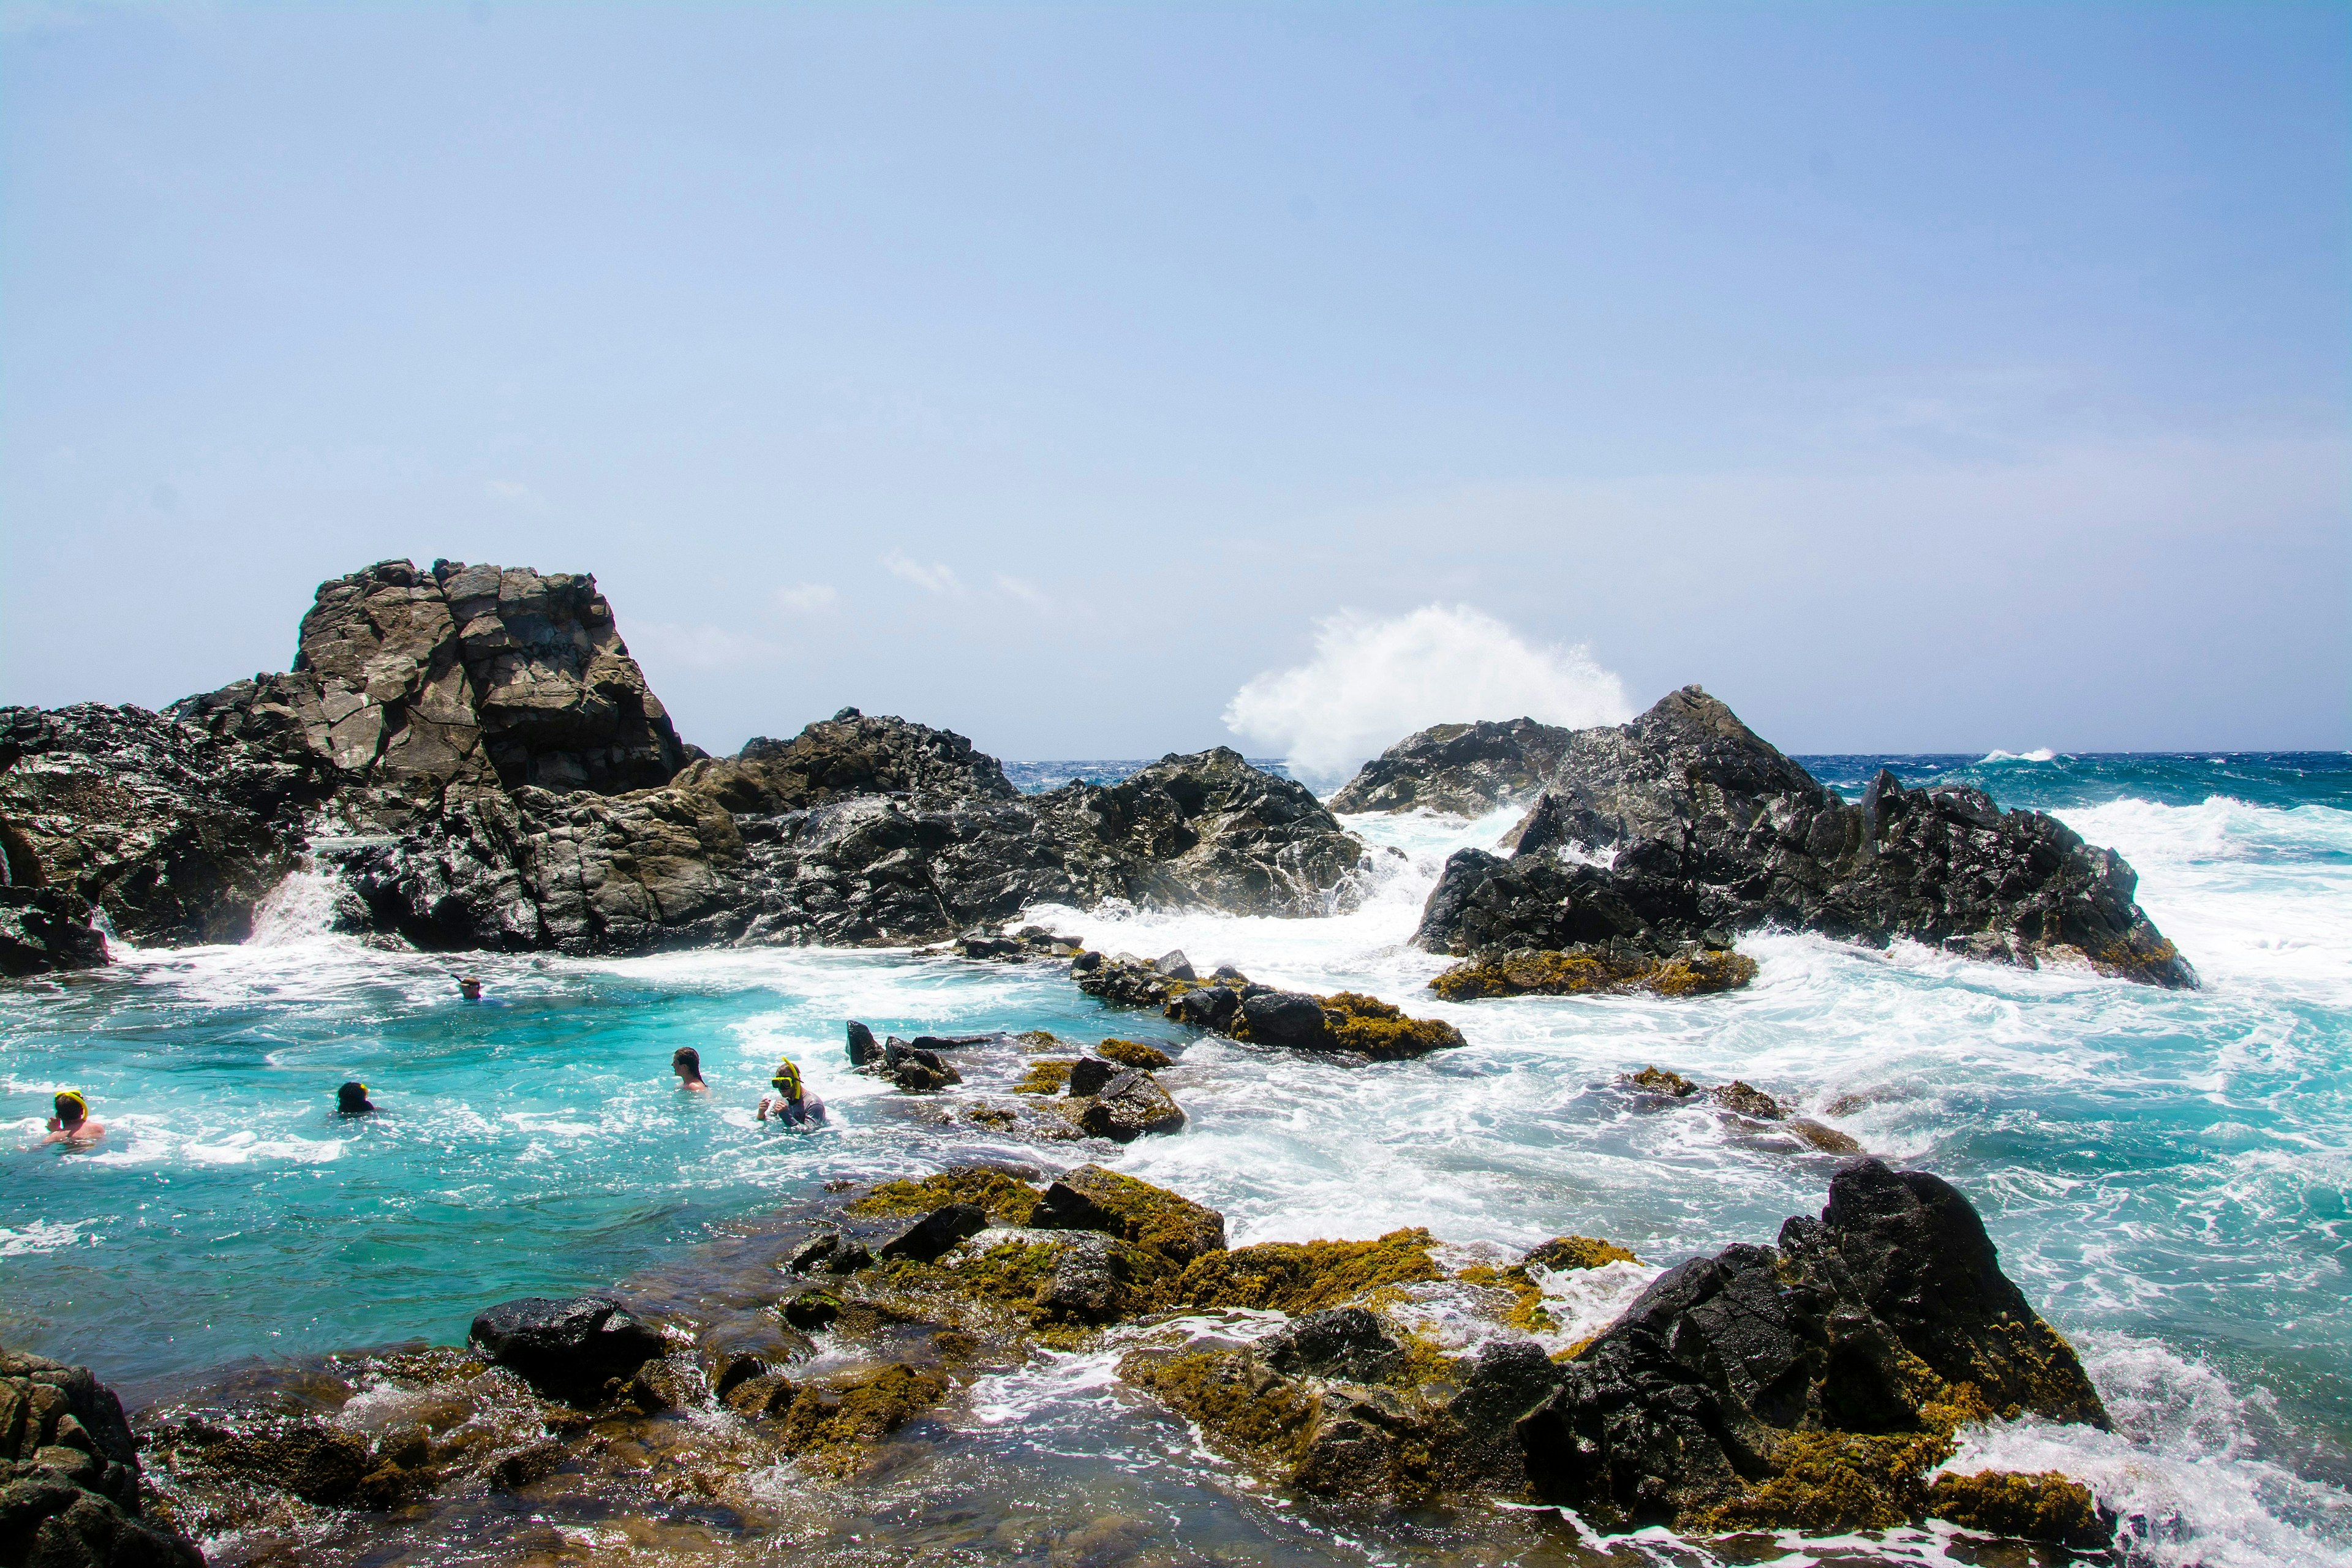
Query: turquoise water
2166,1174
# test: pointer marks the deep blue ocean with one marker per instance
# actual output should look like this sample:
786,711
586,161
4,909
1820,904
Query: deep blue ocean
2169,1175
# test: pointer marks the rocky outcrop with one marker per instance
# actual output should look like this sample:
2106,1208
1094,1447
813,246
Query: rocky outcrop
46,929
475,753
176,834
1666,836
1465,770
566,1349
1231,1004
69,1475
462,675
1812,1386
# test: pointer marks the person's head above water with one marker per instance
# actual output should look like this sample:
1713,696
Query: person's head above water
687,1062
73,1109
787,1080
351,1100
470,988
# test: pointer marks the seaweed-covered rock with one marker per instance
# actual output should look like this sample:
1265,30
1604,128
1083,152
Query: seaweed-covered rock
1344,1021
1093,1198
1296,1276
1127,1107
2045,1505
69,1475
567,1348
1811,1386
1605,968
935,1233
1707,830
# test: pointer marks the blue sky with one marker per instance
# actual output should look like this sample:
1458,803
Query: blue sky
1913,378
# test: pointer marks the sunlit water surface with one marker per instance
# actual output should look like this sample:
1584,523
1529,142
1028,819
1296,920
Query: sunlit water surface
2168,1175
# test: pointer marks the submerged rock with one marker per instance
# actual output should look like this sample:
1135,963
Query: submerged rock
71,1492
1706,830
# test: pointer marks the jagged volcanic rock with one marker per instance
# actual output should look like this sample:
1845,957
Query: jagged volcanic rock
1707,830
176,833
1469,770
475,753
69,1476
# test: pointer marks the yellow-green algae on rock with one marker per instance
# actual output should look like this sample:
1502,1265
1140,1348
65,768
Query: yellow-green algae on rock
1529,972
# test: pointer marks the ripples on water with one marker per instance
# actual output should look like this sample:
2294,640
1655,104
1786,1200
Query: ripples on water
2167,1175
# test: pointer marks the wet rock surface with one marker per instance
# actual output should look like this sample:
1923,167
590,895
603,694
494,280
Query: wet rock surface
1814,1385
1662,837
1229,1003
1465,770
70,1485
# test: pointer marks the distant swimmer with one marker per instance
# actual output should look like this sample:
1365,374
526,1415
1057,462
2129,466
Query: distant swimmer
71,1125
470,988
351,1100
688,1064
791,1104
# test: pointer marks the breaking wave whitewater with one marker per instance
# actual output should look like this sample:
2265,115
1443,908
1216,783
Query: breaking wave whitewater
2169,1175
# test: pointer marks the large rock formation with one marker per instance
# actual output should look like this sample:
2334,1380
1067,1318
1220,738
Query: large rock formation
174,832
475,753
1673,832
70,1477
1467,770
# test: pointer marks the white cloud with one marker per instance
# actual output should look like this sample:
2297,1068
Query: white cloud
1373,682
511,489
1027,592
935,578
807,598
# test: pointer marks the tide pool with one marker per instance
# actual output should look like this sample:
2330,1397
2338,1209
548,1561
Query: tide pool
2166,1174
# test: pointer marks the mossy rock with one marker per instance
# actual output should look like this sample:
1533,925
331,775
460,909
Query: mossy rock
1663,1080
1037,1039
1247,1412
830,1426
1544,973
1134,1053
2046,1506
1526,1311
1045,1076
1006,1199
1562,1252
1151,1217
1305,1277
1381,1031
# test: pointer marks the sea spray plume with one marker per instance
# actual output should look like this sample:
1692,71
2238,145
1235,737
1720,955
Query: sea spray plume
1372,679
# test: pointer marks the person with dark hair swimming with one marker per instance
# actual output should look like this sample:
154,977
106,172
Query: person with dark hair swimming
71,1125
687,1062
351,1100
791,1104
469,987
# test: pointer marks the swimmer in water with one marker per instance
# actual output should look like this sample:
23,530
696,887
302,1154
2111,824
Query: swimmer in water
688,1064
71,1125
470,988
351,1100
791,1104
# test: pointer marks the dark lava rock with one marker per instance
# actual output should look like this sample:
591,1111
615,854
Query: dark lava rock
1709,830
300,1455
1810,1385
849,756
566,1348
936,1232
175,834
1347,1343
1285,1018
69,1475
1467,770
811,1311
1088,1074
46,929
863,1050
1125,1109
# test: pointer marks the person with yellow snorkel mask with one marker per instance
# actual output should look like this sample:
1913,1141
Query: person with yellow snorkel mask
71,1125
791,1104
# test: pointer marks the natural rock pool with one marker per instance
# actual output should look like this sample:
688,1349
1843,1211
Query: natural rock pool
2165,1174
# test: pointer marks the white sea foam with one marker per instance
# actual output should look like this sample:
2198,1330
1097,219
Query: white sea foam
2038,754
1372,680
300,909
44,1236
